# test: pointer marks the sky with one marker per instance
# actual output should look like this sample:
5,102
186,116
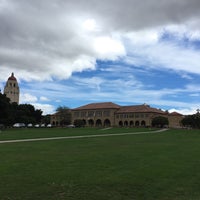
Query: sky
129,52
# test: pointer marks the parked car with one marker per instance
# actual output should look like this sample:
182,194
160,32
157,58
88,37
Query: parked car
30,125
18,125
37,126
49,125
71,126
2,126
42,125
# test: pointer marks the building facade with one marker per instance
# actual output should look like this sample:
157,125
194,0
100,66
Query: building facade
96,114
110,114
11,89
138,115
174,118
55,119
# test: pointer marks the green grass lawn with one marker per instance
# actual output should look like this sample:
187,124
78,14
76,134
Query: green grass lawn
150,166
26,133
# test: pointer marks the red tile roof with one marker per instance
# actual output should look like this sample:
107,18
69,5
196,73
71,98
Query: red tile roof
104,105
121,109
144,108
12,77
139,108
175,114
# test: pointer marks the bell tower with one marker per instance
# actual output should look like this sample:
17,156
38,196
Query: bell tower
11,89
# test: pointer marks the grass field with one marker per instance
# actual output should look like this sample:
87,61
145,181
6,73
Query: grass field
149,166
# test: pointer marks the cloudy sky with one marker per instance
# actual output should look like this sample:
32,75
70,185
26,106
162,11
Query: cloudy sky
130,52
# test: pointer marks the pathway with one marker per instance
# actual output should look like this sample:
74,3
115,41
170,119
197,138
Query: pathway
78,137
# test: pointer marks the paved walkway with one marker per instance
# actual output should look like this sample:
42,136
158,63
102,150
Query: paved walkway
78,137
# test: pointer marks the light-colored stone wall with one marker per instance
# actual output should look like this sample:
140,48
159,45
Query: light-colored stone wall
95,117
11,90
112,117
135,119
175,121
55,119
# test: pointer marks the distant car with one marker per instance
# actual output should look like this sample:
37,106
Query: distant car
49,125
42,125
2,126
71,126
30,125
18,125
37,126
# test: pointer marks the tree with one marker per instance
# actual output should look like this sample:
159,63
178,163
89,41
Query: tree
26,113
192,120
160,121
79,123
65,115
46,119
4,109
11,113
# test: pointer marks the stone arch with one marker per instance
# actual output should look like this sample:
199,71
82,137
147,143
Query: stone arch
131,123
91,122
120,123
84,122
98,123
143,123
137,123
126,123
107,123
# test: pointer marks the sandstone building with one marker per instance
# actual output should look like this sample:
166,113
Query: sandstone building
110,114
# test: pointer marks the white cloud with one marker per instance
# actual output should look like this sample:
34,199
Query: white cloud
185,111
143,37
46,108
90,25
41,46
108,48
185,76
27,98
33,100
42,98
193,88
188,29
165,55
195,95
84,62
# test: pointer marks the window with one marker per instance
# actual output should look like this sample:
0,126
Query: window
90,113
98,113
106,113
131,115
83,114
76,114
125,116
136,115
